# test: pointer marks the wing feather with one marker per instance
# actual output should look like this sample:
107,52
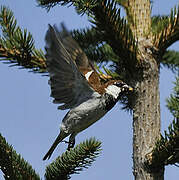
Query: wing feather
78,56
68,86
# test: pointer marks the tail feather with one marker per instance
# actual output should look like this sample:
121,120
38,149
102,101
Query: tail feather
60,137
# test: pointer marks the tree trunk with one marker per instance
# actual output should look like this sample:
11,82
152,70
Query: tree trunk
146,109
146,115
138,14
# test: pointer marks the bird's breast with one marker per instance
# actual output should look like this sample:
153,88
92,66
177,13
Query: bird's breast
84,115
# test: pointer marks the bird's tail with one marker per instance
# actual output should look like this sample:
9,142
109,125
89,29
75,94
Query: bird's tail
60,137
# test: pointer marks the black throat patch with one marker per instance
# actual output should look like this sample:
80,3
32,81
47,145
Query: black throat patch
109,102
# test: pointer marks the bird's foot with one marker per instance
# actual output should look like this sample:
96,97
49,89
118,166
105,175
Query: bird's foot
67,142
70,144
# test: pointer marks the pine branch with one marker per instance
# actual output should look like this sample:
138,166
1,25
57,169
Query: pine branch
13,165
167,148
107,19
102,53
48,4
81,6
115,30
159,23
17,46
171,60
92,44
87,37
166,30
73,161
89,40
173,101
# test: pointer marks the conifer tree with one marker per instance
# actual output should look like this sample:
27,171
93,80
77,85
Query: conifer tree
137,47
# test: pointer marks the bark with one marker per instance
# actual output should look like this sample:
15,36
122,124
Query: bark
146,109
146,115
138,12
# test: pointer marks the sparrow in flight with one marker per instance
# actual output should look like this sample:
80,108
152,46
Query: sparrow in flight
77,86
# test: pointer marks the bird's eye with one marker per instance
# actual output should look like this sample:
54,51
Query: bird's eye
119,84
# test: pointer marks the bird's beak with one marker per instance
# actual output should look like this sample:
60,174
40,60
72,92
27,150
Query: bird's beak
127,88
131,89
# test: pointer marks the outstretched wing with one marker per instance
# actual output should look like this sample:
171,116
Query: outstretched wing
77,54
68,86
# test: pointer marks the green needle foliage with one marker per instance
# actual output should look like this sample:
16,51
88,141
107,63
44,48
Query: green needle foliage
171,60
173,101
17,46
93,45
87,37
73,161
165,29
115,30
109,28
167,148
81,6
13,165
159,23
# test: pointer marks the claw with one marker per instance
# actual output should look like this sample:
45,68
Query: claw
70,144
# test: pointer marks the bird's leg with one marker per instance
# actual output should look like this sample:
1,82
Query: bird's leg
71,141
70,144
67,142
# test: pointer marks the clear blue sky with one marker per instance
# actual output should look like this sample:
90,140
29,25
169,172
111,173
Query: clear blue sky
30,122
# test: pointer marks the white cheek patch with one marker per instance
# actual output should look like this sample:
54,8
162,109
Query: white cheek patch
88,74
113,90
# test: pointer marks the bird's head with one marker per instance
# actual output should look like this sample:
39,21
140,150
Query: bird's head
123,86
117,88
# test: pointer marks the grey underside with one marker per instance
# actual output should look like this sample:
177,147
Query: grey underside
84,115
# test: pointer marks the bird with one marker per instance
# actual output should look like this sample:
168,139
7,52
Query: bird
76,85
